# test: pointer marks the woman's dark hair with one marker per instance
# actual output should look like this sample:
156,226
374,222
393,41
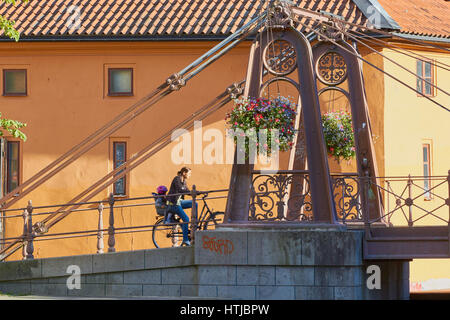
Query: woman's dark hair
183,170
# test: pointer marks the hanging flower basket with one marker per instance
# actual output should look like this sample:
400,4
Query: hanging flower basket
250,115
338,134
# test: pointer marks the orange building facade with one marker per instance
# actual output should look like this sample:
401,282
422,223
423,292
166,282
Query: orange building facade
76,84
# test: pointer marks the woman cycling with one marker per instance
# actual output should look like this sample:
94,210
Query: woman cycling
177,202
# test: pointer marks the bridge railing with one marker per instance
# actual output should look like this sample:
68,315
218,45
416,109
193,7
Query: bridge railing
37,232
406,201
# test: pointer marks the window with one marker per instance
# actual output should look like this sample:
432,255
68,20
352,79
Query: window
119,157
425,77
14,82
427,169
12,165
120,82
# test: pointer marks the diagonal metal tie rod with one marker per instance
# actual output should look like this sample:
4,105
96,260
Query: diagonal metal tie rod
321,17
399,49
174,83
372,65
130,164
387,58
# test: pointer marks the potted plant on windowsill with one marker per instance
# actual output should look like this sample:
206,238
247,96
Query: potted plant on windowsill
259,118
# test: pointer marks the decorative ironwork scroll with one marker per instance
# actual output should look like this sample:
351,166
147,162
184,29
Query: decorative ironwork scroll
281,50
268,200
280,57
331,68
347,196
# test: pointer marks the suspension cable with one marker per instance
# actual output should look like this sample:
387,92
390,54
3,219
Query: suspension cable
136,109
391,46
321,18
374,66
389,59
163,141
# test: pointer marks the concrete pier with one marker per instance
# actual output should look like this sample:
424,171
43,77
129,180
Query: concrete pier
239,263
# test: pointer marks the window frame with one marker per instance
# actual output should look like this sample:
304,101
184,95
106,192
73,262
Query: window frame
6,174
427,146
23,94
120,94
431,79
126,177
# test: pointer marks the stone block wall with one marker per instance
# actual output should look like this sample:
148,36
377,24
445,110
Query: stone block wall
226,264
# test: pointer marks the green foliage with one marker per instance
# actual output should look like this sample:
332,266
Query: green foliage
8,25
277,116
338,134
13,127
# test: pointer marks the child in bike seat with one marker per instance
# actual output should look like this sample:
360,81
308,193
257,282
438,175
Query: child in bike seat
161,205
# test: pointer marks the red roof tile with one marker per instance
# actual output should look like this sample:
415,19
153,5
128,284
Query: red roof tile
420,17
194,18
147,18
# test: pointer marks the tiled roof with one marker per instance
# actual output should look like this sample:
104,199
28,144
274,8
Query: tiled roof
57,19
420,17
143,19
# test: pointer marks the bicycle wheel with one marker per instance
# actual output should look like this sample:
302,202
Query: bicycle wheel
213,220
165,236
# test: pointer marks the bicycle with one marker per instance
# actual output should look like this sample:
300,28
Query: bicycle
207,220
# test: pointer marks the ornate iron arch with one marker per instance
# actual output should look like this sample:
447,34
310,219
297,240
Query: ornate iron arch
333,66
286,39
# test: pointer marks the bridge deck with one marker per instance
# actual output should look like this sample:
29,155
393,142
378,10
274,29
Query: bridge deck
407,243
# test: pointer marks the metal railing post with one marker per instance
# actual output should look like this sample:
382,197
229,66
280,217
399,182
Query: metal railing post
25,233
388,199
194,224
408,202
100,244
111,231
30,236
448,204
366,213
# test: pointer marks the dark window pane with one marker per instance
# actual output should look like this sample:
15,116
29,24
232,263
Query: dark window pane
119,159
427,70
420,85
426,185
15,82
428,90
419,68
120,81
12,175
425,154
425,170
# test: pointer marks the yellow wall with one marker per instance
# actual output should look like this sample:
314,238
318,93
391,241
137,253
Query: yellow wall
409,121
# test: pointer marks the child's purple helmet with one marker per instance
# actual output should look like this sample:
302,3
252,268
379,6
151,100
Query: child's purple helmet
161,189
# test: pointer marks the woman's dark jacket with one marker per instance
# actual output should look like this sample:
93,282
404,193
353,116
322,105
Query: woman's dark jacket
177,187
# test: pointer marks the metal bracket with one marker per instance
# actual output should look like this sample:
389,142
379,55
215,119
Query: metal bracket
333,29
40,228
280,15
235,90
175,82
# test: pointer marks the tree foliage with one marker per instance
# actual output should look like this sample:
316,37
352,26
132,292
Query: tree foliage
11,126
8,25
